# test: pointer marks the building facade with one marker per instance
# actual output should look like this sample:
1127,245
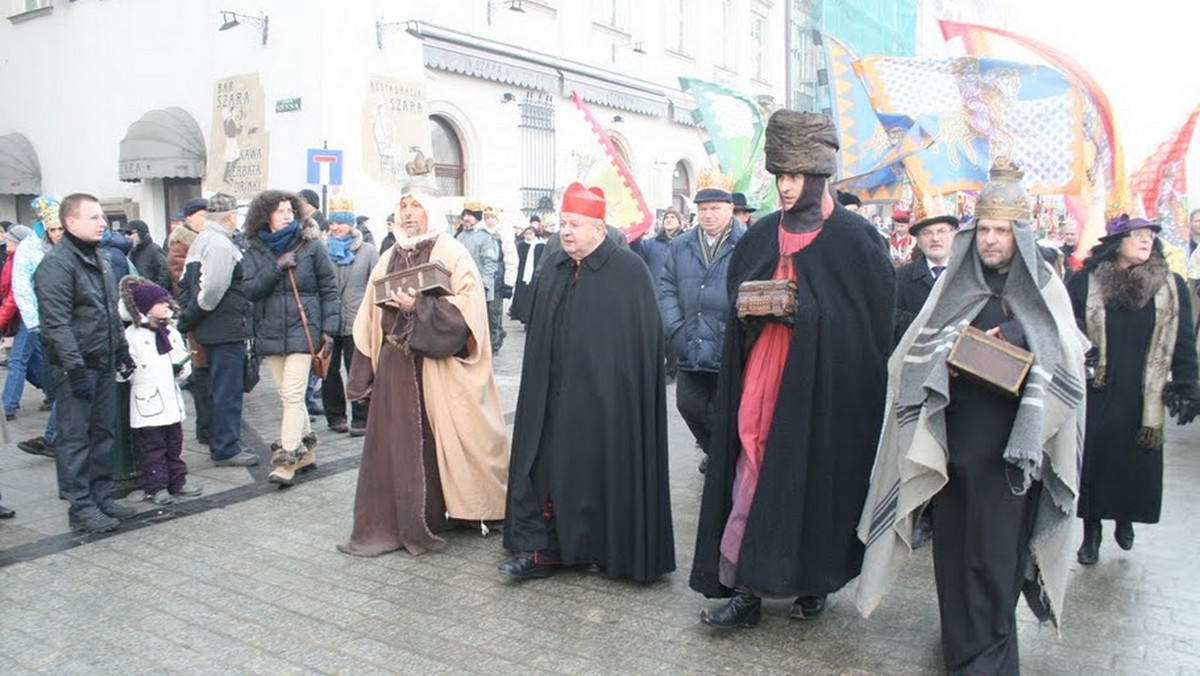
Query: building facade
147,103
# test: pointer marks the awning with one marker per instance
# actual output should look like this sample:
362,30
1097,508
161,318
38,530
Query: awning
20,173
164,143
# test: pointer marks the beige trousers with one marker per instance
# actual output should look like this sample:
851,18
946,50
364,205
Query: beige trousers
290,372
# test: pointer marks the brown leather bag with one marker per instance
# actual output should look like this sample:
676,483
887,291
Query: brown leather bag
320,359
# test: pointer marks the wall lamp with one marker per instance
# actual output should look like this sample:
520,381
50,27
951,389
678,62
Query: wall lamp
638,47
513,6
508,97
233,20
617,119
381,28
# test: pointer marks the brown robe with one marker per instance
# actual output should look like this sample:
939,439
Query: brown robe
399,501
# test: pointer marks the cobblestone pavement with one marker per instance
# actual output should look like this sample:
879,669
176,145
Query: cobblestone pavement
246,580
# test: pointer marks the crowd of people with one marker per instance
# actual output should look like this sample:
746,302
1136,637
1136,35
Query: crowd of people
783,337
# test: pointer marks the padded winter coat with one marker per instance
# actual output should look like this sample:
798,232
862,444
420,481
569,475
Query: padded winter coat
693,299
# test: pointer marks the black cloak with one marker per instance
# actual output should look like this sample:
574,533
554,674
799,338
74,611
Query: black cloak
800,533
590,434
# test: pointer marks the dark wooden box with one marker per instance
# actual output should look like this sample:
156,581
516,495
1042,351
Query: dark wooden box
431,278
767,298
991,361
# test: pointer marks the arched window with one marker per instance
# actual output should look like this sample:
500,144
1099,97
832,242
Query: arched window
449,168
619,144
681,186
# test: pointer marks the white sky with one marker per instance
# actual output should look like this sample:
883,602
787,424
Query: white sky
1144,54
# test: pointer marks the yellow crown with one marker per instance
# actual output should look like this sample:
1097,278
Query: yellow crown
472,205
710,178
344,204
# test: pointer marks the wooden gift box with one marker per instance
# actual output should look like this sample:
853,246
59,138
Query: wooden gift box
995,363
431,278
767,298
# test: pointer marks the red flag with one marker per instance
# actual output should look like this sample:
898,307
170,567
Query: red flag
626,208
1160,183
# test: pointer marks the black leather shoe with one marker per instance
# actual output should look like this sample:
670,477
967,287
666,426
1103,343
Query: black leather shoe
526,566
6,513
743,610
1124,535
116,510
807,607
37,446
1089,551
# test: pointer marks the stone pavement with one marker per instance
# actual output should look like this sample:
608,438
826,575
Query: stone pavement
246,580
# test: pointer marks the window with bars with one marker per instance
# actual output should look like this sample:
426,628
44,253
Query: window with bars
537,154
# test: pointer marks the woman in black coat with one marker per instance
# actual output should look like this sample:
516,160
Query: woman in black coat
284,258
529,252
1137,314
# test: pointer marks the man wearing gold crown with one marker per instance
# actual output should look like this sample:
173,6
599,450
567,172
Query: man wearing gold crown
1000,471
588,483
695,302
482,247
436,448
804,358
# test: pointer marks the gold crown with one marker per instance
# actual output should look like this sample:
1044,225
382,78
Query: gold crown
1003,197
337,204
419,165
489,211
932,206
710,178
472,205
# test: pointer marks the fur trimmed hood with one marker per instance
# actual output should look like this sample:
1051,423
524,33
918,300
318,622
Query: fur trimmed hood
182,235
129,310
1131,288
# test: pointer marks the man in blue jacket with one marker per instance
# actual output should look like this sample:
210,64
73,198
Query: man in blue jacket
695,305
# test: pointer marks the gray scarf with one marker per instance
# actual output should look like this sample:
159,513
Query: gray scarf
1046,441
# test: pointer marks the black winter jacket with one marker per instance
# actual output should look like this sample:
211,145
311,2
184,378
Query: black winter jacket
277,325
77,308
151,263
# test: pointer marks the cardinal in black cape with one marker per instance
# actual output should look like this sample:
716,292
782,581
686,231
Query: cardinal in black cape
796,419
588,480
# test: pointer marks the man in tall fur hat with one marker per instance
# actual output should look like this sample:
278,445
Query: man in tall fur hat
999,471
804,357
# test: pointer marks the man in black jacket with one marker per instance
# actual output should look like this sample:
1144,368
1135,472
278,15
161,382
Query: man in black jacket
148,257
214,308
915,280
85,345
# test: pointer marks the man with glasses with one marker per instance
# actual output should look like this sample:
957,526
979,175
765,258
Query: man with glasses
915,280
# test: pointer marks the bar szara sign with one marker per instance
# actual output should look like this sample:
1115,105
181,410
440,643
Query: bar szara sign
395,127
239,144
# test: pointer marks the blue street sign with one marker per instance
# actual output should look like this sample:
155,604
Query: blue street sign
324,166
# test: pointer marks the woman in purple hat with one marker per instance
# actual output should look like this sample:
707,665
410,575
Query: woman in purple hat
1137,314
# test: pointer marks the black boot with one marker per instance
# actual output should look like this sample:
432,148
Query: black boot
743,610
1124,535
807,607
1089,551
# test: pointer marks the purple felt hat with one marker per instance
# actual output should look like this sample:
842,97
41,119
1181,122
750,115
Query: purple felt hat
1123,225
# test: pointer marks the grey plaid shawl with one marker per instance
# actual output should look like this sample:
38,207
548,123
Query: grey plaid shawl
1046,442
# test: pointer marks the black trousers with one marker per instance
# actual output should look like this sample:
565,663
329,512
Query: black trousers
83,447
201,398
694,394
333,390
162,458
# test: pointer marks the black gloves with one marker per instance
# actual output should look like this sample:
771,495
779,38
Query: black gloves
125,364
286,261
83,386
1182,401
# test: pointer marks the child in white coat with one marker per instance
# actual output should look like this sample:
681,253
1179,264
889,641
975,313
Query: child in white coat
155,402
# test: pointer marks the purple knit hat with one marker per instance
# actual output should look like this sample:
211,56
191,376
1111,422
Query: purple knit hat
148,294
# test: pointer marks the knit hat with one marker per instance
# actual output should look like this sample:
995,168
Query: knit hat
148,294
19,232
801,143
1003,198
341,210
577,199
311,197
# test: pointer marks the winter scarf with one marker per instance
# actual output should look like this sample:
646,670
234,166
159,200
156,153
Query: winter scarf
340,250
1113,287
1046,441
282,240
